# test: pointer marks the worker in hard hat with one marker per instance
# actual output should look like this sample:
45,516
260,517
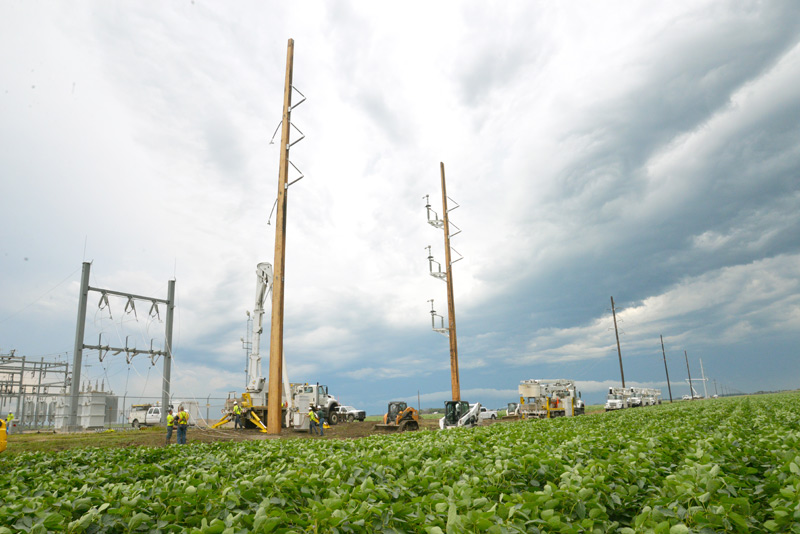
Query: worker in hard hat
183,423
313,421
237,416
170,425
320,420
10,422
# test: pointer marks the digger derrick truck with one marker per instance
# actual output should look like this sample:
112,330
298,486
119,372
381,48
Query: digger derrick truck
254,400
618,399
305,395
399,417
644,397
545,399
295,398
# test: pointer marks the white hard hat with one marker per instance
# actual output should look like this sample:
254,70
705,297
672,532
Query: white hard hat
235,402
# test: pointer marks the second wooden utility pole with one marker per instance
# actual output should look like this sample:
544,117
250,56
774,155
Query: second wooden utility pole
619,350
691,389
276,333
665,367
451,306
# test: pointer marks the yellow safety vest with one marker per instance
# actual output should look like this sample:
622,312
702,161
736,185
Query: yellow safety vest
170,419
10,417
313,416
237,410
183,418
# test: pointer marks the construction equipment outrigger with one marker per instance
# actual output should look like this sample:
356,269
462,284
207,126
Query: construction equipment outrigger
247,412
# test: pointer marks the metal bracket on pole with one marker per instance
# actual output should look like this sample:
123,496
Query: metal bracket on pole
460,256
457,205
295,180
441,328
291,108
434,221
438,272
302,136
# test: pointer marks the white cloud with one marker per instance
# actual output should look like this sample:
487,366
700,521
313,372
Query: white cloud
649,153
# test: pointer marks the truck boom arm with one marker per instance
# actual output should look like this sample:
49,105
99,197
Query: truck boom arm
255,380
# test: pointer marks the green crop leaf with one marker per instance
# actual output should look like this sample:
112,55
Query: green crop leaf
137,520
717,465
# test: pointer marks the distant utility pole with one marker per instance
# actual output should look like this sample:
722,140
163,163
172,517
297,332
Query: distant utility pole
276,332
705,380
665,367
619,350
691,389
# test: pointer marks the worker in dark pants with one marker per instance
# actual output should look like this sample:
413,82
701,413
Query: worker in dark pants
183,423
321,417
237,416
313,421
170,425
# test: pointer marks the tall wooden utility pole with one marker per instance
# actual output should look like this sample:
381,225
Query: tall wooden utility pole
665,367
691,389
276,333
619,350
451,306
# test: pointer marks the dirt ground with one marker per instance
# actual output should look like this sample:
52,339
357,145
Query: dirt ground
356,429
155,437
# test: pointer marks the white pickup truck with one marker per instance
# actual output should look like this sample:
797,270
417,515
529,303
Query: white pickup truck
487,413
144,415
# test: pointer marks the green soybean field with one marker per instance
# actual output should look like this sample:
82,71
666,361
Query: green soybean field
716,465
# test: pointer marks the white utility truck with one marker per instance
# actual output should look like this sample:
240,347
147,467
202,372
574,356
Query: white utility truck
544,399
617,399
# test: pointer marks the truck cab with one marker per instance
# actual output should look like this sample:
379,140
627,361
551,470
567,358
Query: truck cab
317,394
616,400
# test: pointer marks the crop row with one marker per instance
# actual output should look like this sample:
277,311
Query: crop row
724,465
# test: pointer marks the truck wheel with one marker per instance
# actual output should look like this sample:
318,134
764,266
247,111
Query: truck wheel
135,423
494,416
350,418
333,418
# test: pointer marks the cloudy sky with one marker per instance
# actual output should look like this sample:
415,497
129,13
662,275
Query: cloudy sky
649,152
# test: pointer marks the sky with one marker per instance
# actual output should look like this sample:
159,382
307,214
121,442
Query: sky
645,152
